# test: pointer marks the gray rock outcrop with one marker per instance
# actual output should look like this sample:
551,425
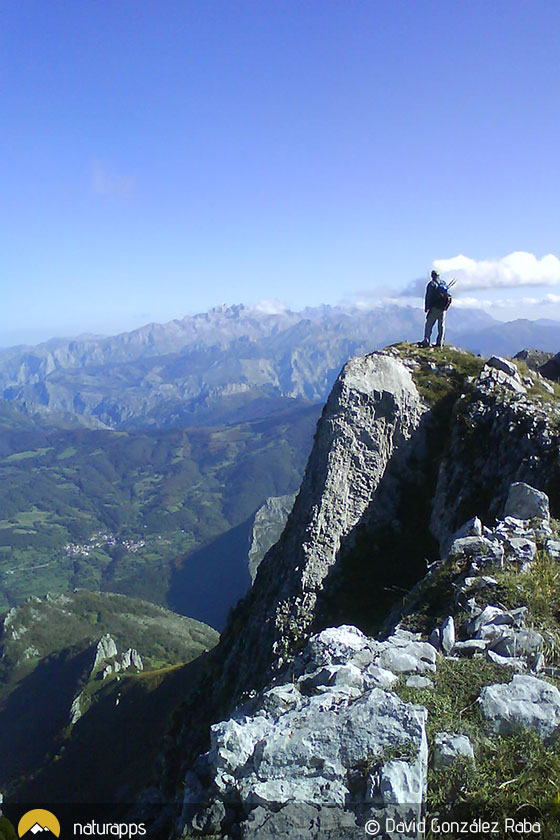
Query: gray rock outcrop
498,437
524,502
76,709
534,359
526,702
448,634
507,367
499,633
449,747
330,740
373,409
268,524
106,649
551,368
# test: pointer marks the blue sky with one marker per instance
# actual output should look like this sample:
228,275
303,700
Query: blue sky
160,157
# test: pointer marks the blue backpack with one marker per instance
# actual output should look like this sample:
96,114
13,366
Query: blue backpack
440,297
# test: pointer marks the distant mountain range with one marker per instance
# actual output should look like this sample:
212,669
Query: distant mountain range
230,364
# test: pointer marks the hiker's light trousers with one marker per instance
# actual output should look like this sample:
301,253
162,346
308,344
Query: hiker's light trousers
433,316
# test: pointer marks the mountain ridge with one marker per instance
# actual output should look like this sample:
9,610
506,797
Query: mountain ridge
231,362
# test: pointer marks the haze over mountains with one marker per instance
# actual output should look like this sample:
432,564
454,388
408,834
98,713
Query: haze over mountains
229,364
135,463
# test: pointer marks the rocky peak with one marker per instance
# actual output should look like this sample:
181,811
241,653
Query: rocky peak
411,444
371,413
414,451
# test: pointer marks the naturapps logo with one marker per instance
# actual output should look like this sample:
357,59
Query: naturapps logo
38,825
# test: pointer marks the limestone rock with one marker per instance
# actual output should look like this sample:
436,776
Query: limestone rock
335,645
522,549
208,819
307,748
496,616
477,550
280,699
106,649
502,438
504,365
290,749
372,412
471,528
132,659
377,677
525,502
301,820
551,368
414,657
76,709
449,747
435,638
468,647
268,524
491,377
448,634
524,702
518,665
401,782
419,682
533,358
553,548
519,643
305,755
340,675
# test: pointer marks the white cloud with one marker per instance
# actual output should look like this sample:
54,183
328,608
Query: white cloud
509,308
271,307
471,303
368,303
517,269
505,303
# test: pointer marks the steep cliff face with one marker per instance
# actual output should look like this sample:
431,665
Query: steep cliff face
504,430
373,412
411,444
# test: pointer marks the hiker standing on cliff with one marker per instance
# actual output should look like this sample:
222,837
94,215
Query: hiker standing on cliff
436,303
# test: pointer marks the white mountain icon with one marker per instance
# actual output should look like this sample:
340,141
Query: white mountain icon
35,829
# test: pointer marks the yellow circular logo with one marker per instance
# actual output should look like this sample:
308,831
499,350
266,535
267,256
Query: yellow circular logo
35,822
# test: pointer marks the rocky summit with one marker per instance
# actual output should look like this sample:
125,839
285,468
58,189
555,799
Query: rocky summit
397,656
401,637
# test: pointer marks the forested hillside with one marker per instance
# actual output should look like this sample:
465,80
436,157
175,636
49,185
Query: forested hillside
121,511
